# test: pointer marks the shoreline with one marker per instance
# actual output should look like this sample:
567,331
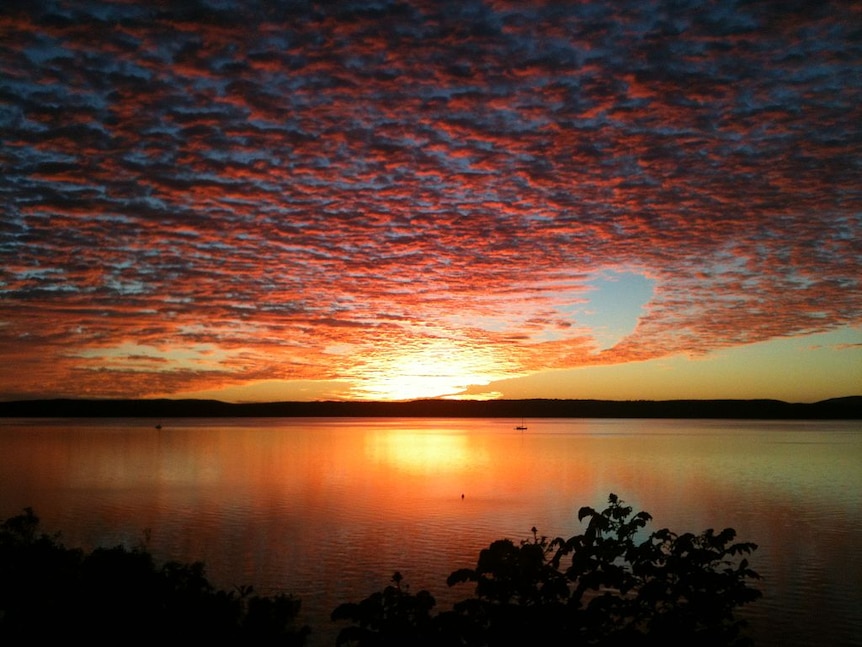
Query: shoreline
847,408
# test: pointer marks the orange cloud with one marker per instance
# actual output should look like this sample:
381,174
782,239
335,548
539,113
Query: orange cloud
422,187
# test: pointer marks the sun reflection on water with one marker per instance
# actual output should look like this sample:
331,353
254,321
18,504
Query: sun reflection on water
421,452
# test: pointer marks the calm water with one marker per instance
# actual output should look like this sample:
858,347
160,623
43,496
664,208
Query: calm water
327,509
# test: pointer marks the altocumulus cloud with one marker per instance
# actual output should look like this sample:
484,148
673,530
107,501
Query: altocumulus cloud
228,191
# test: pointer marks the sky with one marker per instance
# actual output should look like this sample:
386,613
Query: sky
392,200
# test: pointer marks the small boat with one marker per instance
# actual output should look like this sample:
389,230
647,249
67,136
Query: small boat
522,426
158,425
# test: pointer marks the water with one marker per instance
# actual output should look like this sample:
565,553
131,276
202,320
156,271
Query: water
328,509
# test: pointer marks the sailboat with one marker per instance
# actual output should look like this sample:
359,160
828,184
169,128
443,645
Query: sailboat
522,426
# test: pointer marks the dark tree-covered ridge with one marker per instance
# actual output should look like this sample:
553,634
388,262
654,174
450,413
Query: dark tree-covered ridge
849,408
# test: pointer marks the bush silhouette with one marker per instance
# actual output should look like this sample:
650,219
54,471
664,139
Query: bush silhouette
607,586
391,617
116,595
599,588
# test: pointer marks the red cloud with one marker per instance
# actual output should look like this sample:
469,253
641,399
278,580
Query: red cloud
271,190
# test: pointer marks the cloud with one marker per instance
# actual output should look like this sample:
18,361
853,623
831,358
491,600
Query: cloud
277,179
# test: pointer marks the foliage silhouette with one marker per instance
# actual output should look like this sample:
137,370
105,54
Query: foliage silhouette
391,617
602,587
607,586
116,595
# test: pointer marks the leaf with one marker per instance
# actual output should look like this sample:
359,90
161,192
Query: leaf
351,636
461,575
643,517
345,611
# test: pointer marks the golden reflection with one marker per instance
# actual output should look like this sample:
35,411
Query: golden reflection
419,451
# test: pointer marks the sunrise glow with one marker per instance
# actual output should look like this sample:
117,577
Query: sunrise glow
433,369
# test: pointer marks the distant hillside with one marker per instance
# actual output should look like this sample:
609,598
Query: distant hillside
849,408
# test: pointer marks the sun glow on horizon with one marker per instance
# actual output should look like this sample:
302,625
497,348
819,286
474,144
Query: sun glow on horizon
436,369
382,219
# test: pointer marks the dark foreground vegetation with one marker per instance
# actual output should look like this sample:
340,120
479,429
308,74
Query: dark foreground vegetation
118,596
849,408
607,586
602,587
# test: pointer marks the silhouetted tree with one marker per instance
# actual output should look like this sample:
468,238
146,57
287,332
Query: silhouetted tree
389,618
680,587
602,587
116,595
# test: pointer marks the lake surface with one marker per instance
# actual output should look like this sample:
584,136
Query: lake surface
328,509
